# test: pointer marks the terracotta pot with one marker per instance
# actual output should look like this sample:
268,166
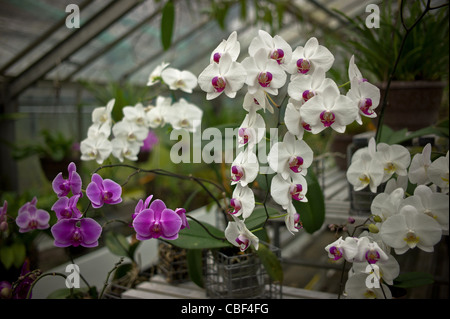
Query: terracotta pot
411,104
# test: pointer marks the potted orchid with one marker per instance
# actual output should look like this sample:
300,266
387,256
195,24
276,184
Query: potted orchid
269,177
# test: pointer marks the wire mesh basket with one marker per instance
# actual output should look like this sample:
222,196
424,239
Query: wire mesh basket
239,276
172,263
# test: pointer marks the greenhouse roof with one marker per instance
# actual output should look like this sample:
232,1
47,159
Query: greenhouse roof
121,40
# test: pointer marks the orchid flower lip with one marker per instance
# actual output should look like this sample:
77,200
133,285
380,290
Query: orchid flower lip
236,173
218,83
336,252
277,55
327,118
217,57
264,79
303,66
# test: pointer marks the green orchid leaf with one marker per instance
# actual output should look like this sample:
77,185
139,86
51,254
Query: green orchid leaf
200,237
413,279
259,216
195,266
117,244
7,256
20,253
167,24
271,262
312,212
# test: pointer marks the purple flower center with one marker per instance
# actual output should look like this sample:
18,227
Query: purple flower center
218,83
303,66
156,229
307,95
243,135
236,204
76,237
33,224
306,126
264,79
372,256
107,195
236,173
243,242
66,213
327,118
216,57
295,163
65,186
297,223
365,106
296,191
336,252
256,101
277,55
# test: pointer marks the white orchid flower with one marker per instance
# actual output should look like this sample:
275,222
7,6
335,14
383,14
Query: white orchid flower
155,76
276,48
284,191
418,170
386,205
176,79
368,251
290,157
367,98
244,168
136,114
102,115
243,201
409,229
256,101
122,148
263,73
438,172
157,115
343,248
394,183
226,76
356,288
185,115
395,159
305,60
130,131
238,235
433,204
389,269
366,171
97,149
329,109
293,119
305,87
230,46
252,130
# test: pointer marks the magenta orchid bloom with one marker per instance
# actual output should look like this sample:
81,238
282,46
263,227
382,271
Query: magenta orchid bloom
76,232
157,221
66,207
182,213
30,217
141,205
62,187
100,191
3,217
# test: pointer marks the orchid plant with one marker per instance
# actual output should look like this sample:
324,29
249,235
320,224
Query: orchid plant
314,103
